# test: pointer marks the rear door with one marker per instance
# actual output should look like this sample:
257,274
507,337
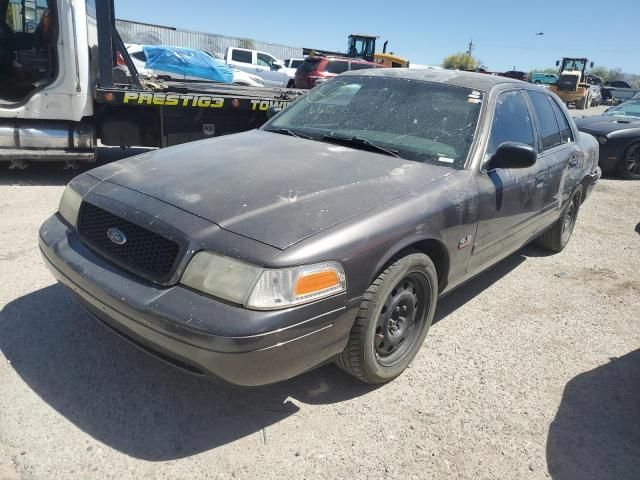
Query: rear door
509,199
557,150
242,59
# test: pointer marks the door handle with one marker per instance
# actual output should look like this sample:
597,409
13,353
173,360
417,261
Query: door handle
541,178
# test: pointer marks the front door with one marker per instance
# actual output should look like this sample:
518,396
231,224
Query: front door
270,70
509,199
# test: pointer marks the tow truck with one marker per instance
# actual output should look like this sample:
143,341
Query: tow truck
67,85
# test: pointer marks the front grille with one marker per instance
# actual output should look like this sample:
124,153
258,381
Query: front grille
144,252
568,83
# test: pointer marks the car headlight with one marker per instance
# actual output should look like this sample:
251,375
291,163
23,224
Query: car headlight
70,205
259,288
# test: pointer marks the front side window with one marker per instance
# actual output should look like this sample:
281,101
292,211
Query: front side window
547,123
420,121
265,60
566,135
241,56
511,122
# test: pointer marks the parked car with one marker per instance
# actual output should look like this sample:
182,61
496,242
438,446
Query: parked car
293,63
617,91
183,71
596,89
515,74
544,78
328,234
319,69
264,65
178,63
618,132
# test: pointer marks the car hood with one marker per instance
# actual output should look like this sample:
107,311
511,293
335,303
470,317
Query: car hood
269,187
605,124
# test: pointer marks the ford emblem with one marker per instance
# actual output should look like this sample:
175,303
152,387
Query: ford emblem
117,236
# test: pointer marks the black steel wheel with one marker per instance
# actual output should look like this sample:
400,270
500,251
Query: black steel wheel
629,166
557,237
401,319
393,320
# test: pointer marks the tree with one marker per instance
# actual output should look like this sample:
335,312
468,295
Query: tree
10,14
460,61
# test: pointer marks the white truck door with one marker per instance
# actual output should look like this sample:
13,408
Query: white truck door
270,69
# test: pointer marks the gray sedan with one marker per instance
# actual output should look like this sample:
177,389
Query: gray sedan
330,233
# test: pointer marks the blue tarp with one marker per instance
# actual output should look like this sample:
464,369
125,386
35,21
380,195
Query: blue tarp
187,62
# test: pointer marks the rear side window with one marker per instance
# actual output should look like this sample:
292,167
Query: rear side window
360,66
242,56
337,67
566,135
511,122
309,65
296,63
547,123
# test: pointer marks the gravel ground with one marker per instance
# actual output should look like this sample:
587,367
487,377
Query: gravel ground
531,371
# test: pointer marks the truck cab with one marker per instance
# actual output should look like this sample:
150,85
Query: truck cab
262,64
68,82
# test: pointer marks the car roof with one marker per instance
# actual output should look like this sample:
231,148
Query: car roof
476,81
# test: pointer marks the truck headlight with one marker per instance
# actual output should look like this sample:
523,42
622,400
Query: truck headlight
70,205
262,289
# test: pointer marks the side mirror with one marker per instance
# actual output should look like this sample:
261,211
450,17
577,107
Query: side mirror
513,155
557,63
592,64
272,111
276,66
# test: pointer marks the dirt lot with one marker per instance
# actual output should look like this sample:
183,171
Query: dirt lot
531,371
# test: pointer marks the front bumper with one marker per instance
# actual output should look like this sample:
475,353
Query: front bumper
191,330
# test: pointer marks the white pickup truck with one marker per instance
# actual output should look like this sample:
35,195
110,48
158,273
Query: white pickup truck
272,70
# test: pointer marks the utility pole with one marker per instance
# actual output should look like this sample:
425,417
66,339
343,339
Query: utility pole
471,46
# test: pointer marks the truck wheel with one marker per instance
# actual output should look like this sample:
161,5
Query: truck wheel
291,84
629,166
557,237
580,104
394,318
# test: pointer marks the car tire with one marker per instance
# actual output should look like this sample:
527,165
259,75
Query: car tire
291,84
557,237
629,166
394,318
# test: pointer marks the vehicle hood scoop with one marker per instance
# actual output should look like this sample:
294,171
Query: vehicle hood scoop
270,187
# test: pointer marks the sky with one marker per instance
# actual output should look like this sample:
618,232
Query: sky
503,31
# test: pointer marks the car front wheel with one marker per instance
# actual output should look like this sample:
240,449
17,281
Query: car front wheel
394,319
629,166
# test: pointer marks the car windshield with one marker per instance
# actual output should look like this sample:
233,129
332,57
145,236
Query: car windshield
627,109
420,121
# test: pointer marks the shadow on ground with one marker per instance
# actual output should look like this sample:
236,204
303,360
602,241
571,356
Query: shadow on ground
138,405
596,432
55,173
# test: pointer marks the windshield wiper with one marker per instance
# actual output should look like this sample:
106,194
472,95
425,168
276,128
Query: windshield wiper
286,131
361,142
